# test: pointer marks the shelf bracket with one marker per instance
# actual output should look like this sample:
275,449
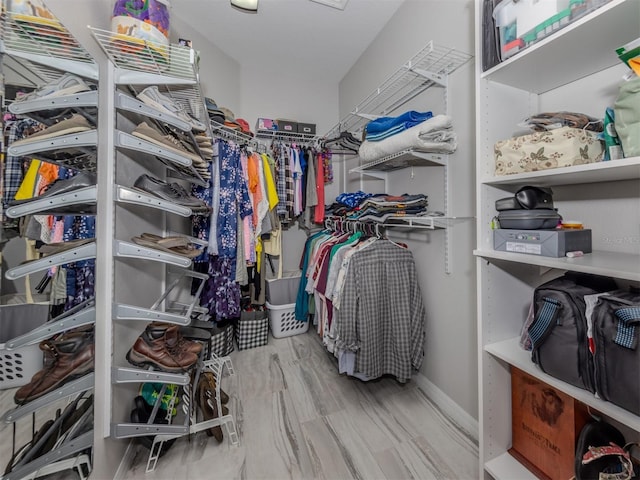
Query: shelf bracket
83,317
138,197
85,196
75,386
437,78
70,447
129,430
131,142
138,375
130,312
130,104
83,252
88,138
131,250
77,100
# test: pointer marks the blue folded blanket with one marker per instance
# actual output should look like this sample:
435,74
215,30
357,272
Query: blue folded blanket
379,126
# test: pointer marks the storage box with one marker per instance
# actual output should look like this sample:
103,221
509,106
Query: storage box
307,128
287,126
545,425
252,329
17,366
561,147
515,18
222,340
266,124
546,243
281,304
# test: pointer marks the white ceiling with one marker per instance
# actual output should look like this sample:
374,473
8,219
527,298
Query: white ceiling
290,35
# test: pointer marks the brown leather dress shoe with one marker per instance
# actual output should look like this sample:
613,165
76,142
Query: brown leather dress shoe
182,343
160,348
67,357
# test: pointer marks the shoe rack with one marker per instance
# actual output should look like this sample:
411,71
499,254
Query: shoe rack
47,58
160,291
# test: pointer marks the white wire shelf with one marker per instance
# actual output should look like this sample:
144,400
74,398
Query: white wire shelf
428,68
46,45
143,62
236,136
403,159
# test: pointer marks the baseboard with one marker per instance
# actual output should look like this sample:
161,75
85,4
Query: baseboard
127,458
448,406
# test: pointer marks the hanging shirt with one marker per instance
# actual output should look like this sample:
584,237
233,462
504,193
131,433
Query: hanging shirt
318,216
234,199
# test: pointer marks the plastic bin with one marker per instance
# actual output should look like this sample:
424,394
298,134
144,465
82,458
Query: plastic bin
281,304
17,366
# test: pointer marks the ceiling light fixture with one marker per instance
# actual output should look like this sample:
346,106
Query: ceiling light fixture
248,6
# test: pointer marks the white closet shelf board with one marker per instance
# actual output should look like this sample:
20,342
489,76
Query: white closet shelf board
510,352
70,141
427,68
613,264
614,170
506,467
558,51
47,43
403,159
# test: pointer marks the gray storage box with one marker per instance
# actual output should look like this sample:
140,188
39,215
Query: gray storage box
546,243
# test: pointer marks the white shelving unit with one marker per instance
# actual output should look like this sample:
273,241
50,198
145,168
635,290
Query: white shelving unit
429,68
574,59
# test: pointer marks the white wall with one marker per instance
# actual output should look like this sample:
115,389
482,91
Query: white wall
291,95
450,348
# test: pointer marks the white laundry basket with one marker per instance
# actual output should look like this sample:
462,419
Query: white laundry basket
281,304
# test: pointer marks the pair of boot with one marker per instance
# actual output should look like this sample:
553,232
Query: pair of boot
66,357
162,346
208,402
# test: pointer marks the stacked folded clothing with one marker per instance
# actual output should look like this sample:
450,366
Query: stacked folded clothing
381,208
434,135
377,208
384,127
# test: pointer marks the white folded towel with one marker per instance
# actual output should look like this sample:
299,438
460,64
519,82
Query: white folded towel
433,136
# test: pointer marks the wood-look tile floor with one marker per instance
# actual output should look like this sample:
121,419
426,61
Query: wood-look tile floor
297,418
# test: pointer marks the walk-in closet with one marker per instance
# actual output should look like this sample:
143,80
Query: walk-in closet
267,239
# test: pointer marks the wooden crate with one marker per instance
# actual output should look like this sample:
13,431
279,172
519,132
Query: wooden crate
545,425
